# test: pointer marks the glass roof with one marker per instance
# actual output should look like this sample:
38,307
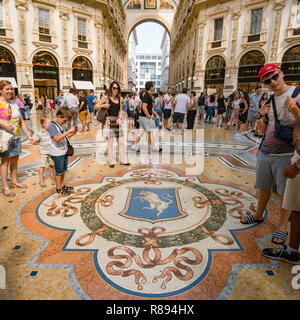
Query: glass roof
174,1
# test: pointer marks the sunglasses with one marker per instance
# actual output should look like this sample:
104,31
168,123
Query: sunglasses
116,88
274,78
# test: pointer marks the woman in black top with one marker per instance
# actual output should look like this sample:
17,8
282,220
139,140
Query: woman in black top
83,112
243,111
112,128
221,107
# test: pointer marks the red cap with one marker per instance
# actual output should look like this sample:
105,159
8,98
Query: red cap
267,69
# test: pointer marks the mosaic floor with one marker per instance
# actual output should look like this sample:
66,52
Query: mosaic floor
165,227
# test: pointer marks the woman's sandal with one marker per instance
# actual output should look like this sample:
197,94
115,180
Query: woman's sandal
19,185
250,219
279,235
9,194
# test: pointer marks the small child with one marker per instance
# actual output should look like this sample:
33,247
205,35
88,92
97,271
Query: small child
59,147
43,138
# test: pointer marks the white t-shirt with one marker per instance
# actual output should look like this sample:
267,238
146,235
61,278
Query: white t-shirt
182,101
169,105
271,145
236,104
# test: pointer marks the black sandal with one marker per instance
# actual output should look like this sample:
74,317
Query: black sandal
71,189
63,191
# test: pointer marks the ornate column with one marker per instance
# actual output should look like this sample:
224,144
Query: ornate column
199,73
24,67
99,74
65,72
231,73
277,6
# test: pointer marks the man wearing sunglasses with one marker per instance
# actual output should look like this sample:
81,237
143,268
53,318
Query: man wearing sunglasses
274,154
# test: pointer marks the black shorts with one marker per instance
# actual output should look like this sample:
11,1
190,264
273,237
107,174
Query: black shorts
243,116
167,113
178,116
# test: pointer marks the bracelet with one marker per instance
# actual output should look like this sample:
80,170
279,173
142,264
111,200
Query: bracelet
296,140
258,116
292,106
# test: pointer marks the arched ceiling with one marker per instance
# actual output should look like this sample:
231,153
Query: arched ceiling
175,2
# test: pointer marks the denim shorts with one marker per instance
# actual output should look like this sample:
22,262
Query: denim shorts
60,164
269,171
13,149
167,113
91,109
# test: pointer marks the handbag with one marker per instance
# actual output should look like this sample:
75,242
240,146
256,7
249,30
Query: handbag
283,133
102,115
70,150
5,139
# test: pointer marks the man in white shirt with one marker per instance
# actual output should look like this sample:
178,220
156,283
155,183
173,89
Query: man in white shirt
168,99
182,104
71,101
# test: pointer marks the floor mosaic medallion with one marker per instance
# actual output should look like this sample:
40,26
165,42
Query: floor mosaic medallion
142,233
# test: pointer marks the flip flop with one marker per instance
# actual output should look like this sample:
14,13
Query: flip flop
250,219
280,235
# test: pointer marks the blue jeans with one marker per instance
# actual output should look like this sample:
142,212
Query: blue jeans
210,113
60,164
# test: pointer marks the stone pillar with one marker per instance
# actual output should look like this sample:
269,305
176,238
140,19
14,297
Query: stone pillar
231,73
65,71
277,7
199,74
99,74
24,67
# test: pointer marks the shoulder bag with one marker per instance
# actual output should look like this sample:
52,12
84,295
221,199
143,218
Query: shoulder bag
283,133
70,150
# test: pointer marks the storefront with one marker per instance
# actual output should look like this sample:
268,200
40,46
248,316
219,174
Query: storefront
45,75
82,74
8,67
214,75
249,67
291,66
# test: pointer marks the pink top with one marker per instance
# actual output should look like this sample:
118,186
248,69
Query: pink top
19,103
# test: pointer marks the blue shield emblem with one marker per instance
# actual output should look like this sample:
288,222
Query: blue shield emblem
153,204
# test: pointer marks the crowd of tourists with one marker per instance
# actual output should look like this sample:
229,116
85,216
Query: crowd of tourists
274,118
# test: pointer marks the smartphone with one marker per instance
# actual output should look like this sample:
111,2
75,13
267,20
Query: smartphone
76,128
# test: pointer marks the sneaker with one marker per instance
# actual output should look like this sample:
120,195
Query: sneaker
282,254
42,184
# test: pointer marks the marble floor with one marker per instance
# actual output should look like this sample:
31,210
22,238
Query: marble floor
165,227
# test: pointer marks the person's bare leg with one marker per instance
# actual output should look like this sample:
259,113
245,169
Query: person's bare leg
14,171
4,173
263,199
294,241
110,150
283,221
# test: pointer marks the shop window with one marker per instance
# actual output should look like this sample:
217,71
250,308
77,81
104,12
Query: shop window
44,25
291,64
250,65
255,26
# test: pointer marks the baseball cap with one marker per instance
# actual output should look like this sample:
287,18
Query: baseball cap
270,67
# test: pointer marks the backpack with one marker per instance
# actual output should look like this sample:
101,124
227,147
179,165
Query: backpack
201,101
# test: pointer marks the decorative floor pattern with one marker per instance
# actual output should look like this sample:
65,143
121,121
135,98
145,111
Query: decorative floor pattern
142,232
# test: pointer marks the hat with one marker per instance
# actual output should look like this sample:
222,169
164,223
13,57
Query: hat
267,69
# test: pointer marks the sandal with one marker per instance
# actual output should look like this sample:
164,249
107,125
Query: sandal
68,188
250,220
63,191
18,185
9,194
280,235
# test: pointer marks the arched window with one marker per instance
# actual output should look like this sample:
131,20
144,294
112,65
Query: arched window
215,70
82,63
291,64
44,58
249,67
6,56
82,69
7,63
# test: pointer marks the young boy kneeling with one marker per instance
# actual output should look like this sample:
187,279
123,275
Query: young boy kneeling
59,147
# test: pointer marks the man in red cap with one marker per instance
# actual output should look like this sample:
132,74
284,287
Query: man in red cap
274,154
